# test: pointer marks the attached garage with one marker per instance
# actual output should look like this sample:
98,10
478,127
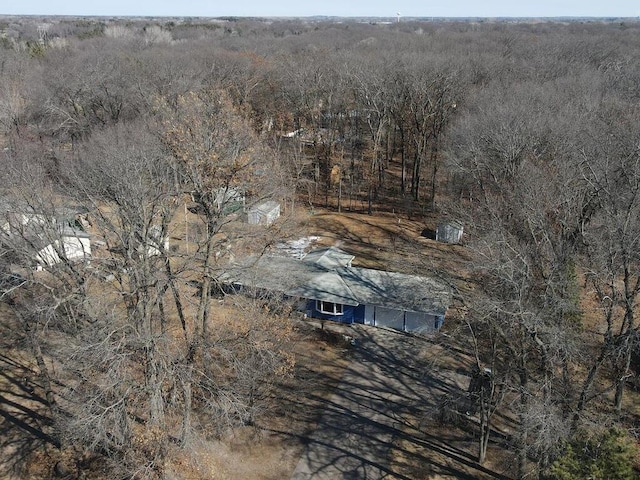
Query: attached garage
422,322
334,290
388,317
395,300
416,322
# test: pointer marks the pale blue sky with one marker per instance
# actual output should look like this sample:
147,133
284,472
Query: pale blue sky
374,8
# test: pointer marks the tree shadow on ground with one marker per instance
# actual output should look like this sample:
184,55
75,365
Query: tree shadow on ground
25,423
368,424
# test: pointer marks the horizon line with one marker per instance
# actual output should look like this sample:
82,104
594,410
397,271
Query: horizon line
392,16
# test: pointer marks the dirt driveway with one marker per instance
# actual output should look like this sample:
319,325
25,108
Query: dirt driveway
369,430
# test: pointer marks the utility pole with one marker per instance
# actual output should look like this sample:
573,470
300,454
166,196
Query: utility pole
186,228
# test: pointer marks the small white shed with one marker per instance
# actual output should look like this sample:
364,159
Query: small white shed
264,213
229,199
449,232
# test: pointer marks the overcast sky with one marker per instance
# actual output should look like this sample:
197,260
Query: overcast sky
346,8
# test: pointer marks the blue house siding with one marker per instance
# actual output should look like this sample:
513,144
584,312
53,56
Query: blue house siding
358,314
348,313
324,282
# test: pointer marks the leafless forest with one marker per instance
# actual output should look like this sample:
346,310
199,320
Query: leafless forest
146,130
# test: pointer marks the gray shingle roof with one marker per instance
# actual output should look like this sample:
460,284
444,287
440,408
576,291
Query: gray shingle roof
329,258
346,285
396,290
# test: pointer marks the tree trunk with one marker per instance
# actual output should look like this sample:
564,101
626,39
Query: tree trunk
434,173
154,385
203,306
415,177
44,375
403,161
590,380
626,335
485,427
43,371
523,433
176,297
186,380
622,379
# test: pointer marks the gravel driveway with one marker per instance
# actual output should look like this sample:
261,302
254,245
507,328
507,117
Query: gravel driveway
369,412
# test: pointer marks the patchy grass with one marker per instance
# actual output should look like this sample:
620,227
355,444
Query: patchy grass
25,425
436,447
387,241
271,449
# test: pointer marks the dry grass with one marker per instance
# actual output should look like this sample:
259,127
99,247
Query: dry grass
385,240
24,417
271,449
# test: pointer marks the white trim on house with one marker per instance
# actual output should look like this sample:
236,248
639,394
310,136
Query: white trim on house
330,308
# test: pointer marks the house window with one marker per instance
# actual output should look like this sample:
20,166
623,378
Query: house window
329,307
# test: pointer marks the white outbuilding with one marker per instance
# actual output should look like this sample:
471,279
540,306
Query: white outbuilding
264,213
449,232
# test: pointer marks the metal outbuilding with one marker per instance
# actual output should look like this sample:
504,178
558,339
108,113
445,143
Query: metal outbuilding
449,231
264,213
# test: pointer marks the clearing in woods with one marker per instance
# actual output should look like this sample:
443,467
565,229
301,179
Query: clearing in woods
374,404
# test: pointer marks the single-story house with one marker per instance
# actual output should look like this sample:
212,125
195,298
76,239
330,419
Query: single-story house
46,237
264,213
329,288
74,244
